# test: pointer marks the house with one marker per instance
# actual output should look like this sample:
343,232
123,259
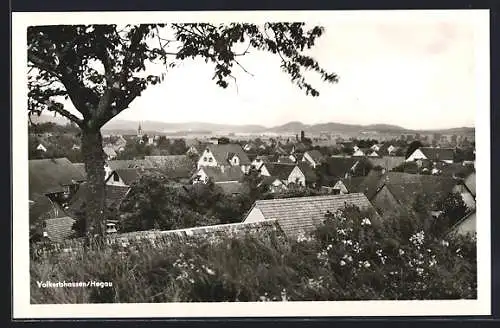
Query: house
358,153
113,198
272,184
335,168
55,222
111,165
259,160
248,147
433,154
288,173
75,147
41,147
56,178
399,190
373,153
110,152
313,157
348,185
224,155
218,174
375,147
467,225
311,178
126,177
302,214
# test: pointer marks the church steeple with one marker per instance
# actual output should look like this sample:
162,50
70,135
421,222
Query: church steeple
139,131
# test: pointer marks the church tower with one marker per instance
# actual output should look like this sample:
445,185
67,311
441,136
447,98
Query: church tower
139,131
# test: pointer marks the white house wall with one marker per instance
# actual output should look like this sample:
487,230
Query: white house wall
207,159
417,154
255,215
295,175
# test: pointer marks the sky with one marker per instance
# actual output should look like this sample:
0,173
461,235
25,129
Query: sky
415,71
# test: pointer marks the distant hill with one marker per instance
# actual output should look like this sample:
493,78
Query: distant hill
130,127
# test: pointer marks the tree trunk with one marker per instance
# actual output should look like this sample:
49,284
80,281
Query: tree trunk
93,157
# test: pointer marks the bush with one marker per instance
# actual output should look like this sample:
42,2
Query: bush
353,255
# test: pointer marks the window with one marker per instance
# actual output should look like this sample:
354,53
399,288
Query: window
210,159
116,178
204,159
67,190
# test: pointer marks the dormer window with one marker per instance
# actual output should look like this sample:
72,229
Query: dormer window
210,159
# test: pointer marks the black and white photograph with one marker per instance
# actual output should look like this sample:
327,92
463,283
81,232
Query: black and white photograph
251,163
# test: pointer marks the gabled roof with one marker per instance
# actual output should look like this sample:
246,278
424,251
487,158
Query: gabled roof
280,170
308,171
371,183
298,214
50,175
114,195
284,160
59,229
129,176
223,153
315,155
353,184
174,166
338,166
438,154
268,180
387,162
217,174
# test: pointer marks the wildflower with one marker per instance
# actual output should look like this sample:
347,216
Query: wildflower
210,271
401,252
342,263
349,242
445,243
366,264
329,247
366,221
420,271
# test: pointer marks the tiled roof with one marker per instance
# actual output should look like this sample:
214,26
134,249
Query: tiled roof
81,167
228,173
59,229
280,170
303,214
222,153
438,154
354,184
222,230
338,166
50,175
284,160
129,176
308,171
315,155
114,196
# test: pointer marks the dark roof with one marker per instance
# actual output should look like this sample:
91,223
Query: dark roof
371,183
354,184
50,175
405,187
438,154
114,196
308,171
315,155
338,166
60,228
284,160
222,153
268,180
220,174
81,167
174,166
302,214
280,170
129,176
